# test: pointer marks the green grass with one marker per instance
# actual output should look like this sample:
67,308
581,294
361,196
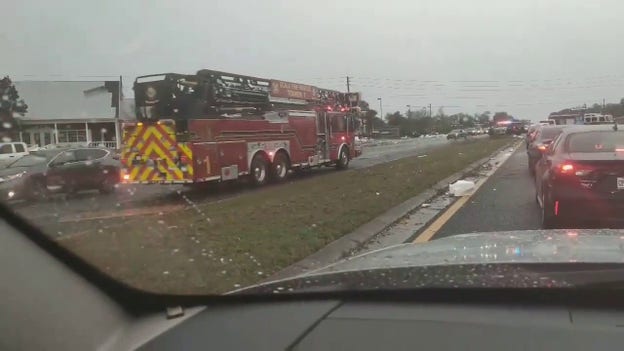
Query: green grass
219,246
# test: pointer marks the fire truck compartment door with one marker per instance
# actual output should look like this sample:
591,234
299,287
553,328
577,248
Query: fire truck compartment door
232,153
206,162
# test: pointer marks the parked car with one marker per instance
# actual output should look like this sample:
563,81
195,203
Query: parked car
581,176
543,136
41,173
456,134
11,151
472,131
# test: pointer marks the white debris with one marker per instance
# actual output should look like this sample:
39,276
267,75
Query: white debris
461,187
420,156
425,205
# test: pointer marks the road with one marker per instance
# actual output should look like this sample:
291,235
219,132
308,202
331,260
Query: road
506,201
136,199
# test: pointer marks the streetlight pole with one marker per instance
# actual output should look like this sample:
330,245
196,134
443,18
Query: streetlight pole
409,111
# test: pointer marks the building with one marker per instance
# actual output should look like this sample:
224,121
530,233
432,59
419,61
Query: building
71,113
563,118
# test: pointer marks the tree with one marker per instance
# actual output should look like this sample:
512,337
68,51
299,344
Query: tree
10,103
483,118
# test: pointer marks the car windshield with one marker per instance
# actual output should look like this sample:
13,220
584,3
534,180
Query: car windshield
28,161
549,133
205,147
604,141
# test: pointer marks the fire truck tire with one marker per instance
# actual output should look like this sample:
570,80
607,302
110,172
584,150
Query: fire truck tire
259,170
280,166
343,158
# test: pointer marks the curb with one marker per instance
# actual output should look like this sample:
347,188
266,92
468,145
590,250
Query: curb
337,249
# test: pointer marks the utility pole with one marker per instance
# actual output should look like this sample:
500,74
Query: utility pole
430,114
409,111
348,85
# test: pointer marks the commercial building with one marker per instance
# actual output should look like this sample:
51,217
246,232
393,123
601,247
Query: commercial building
72,113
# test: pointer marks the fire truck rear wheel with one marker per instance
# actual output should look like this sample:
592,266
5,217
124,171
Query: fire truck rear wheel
343,159
280,166
259,170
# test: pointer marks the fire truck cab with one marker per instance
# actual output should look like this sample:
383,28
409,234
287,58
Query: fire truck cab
216,126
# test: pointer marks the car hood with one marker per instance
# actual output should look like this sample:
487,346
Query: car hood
466,260
16,170
586,245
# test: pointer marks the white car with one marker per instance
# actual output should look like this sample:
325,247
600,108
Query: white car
11,151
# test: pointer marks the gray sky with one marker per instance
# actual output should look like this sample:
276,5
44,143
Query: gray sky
525,57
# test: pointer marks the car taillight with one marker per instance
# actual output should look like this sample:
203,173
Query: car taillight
566,168
569,168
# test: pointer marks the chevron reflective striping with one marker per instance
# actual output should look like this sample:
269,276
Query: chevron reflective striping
157,143
186,151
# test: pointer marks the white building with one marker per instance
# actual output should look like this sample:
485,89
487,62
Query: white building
60,112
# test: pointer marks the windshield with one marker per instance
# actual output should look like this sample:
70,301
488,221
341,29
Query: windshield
203,148
549,133
605,141
28,161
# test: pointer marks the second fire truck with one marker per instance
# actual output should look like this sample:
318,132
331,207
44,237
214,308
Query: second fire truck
217,126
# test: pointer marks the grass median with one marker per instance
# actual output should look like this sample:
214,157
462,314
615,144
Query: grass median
219,246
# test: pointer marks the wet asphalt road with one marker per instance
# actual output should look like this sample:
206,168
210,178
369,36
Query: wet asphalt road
133,197
506,201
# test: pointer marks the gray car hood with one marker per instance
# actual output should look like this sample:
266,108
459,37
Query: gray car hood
542,246
497,259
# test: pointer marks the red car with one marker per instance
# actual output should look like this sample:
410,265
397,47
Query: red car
581,176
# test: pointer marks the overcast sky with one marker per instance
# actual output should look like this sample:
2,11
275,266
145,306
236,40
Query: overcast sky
526,57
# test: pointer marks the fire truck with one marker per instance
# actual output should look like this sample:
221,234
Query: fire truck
215,126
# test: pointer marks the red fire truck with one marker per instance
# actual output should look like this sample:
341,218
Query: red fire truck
217,126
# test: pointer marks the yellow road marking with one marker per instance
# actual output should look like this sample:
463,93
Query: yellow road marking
434,227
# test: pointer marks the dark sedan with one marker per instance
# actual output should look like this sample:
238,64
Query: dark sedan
41,173
542,137
581,176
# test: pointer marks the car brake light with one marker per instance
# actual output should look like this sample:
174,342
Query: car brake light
566,168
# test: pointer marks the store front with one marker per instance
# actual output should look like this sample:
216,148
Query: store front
94,133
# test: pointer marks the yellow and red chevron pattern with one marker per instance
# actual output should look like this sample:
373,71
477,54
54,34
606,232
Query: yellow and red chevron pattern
152,154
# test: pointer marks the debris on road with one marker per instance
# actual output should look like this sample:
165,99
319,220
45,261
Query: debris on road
425,205
461,187
421,156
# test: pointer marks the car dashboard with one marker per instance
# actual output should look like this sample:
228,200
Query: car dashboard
50,304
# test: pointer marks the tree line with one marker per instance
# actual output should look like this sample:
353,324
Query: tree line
419,122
